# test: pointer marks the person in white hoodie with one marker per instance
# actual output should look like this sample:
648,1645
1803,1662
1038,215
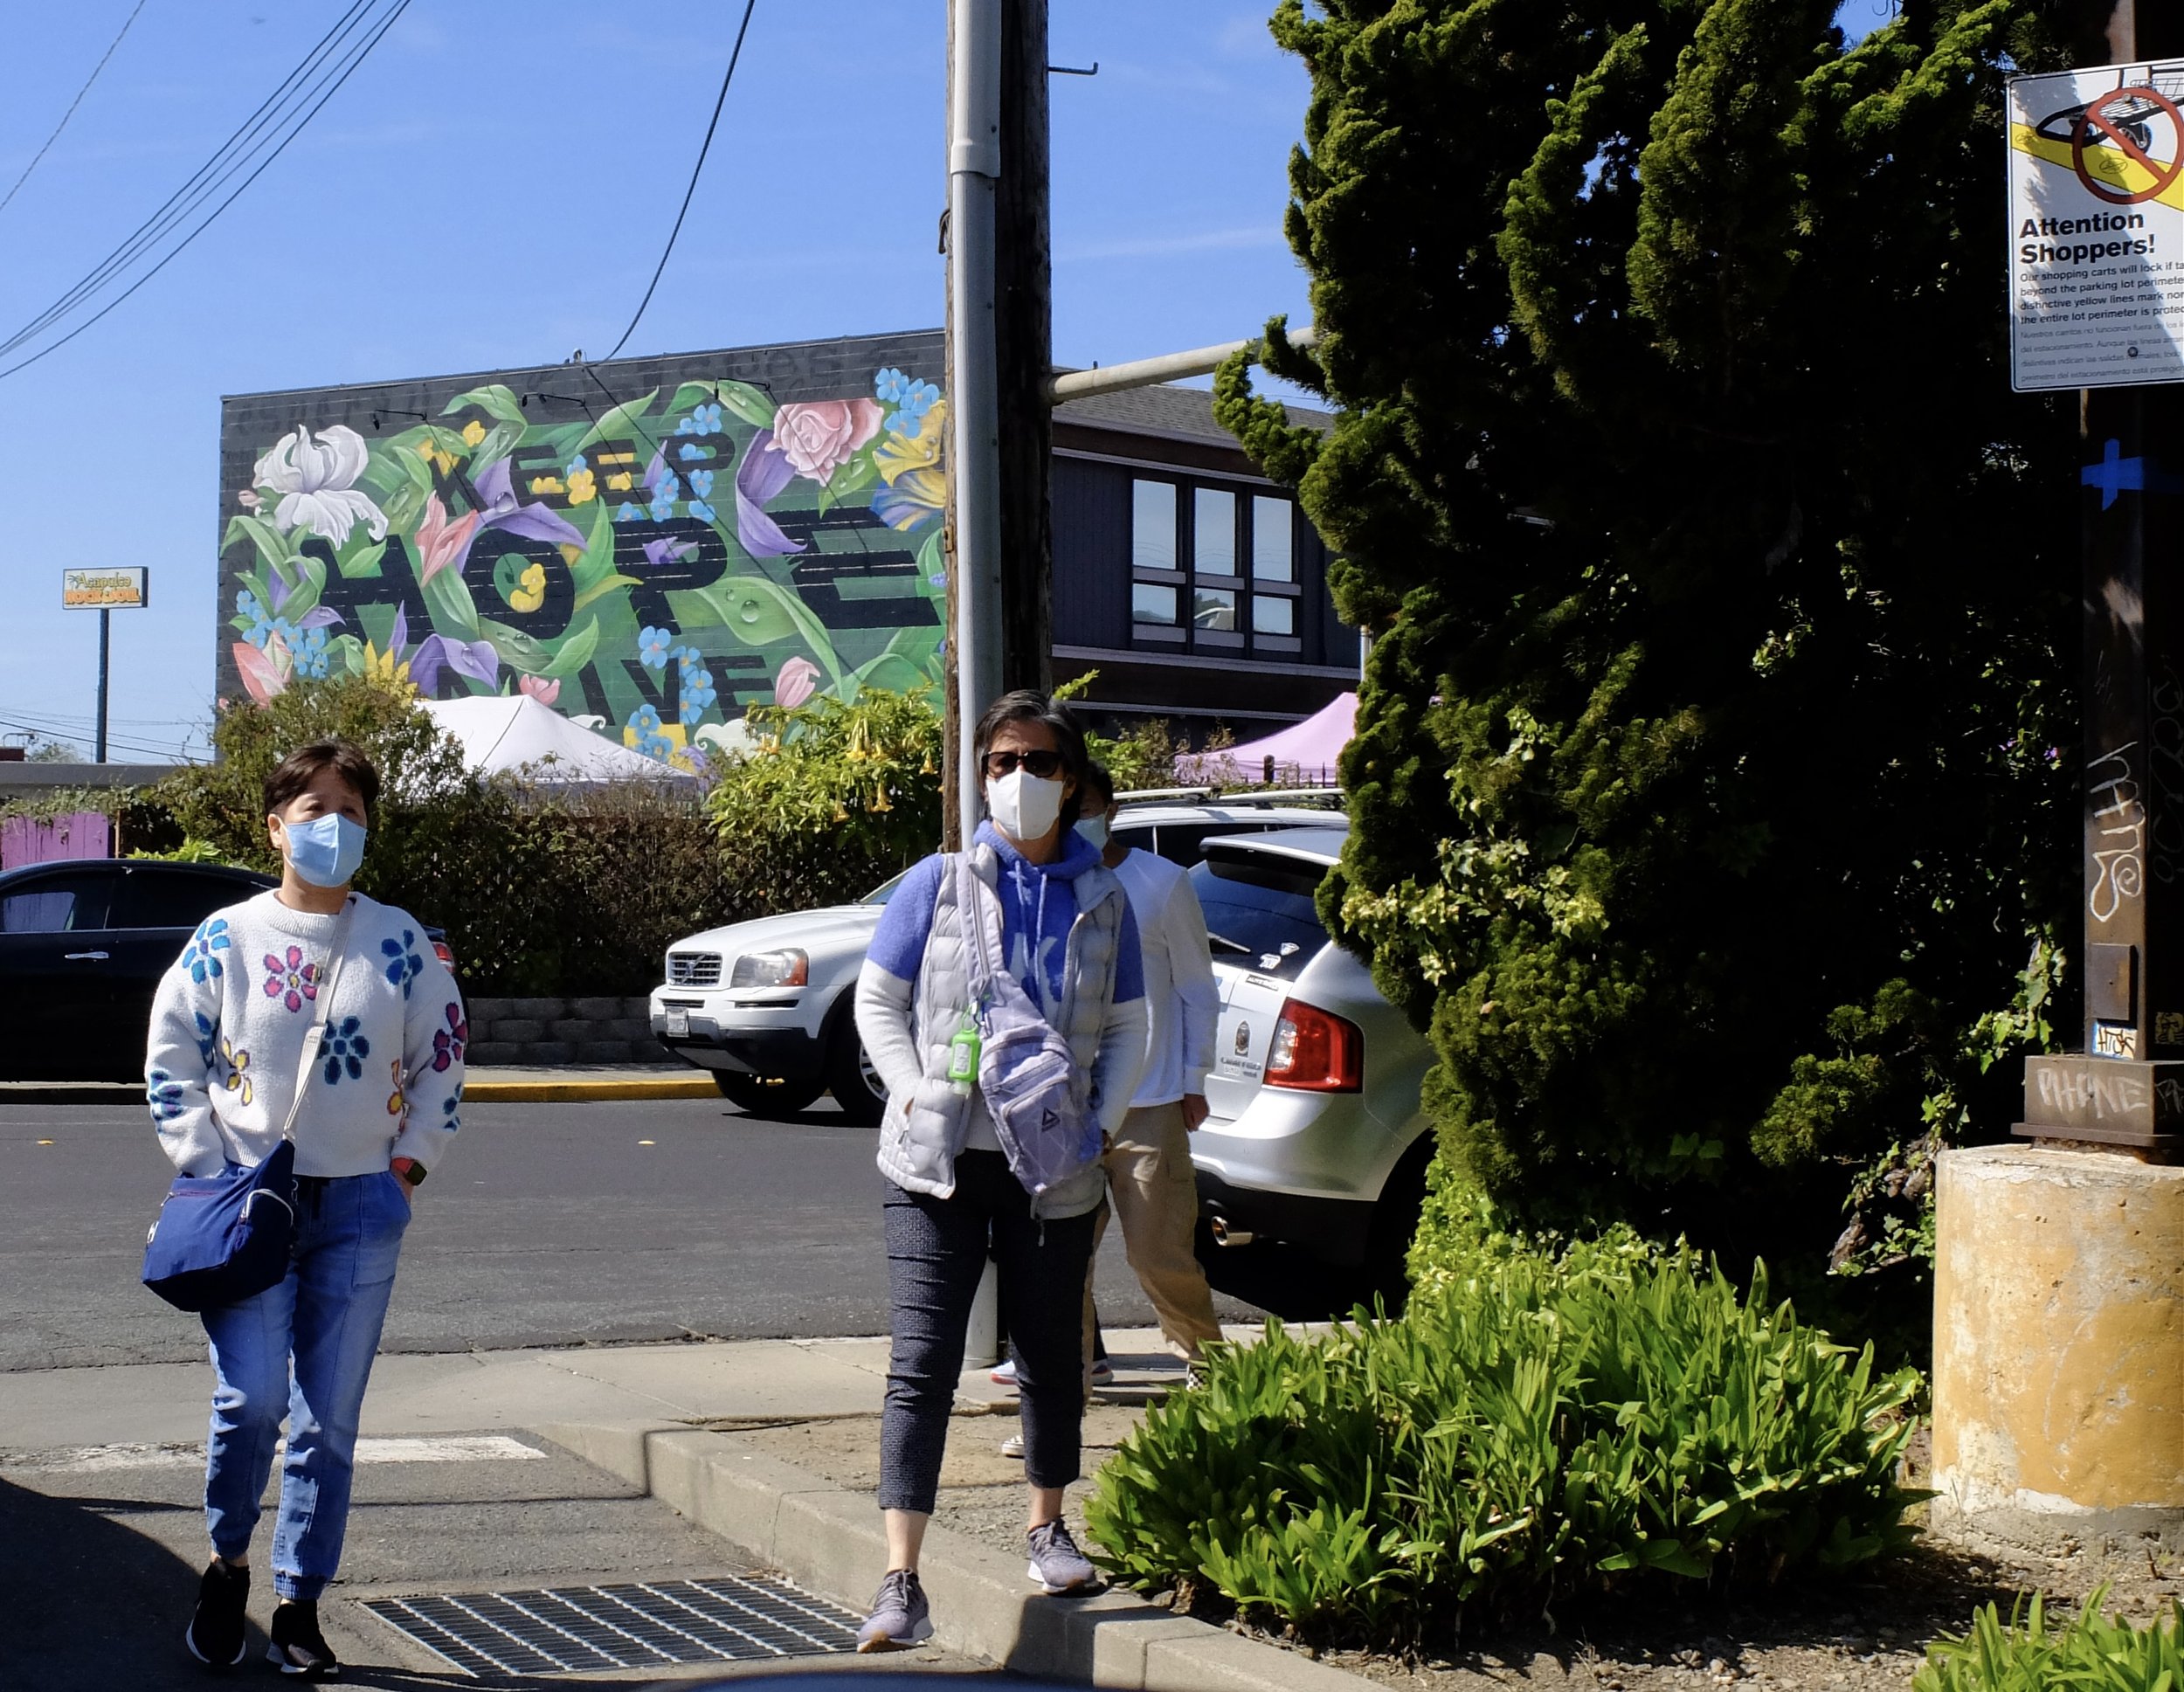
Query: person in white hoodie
227,1044
1149,1180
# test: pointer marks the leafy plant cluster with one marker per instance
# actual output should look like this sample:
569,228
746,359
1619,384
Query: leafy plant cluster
1548,1424
2088,1653
1707,795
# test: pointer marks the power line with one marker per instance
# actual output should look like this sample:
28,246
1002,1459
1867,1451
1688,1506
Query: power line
73,104
169,210
347,70
706,147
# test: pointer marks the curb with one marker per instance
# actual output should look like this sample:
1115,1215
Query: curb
72,1093
830,1540
666,1086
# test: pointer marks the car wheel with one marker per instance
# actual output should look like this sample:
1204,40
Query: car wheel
855,1084
764,1096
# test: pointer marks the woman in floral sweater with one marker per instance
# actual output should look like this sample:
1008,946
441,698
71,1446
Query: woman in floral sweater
228,1035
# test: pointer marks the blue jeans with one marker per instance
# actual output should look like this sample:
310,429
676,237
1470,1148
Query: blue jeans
324,1318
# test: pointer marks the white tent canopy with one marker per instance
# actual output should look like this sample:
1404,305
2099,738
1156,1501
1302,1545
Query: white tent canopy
506,733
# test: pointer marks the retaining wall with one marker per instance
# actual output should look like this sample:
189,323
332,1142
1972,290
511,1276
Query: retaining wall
562,1031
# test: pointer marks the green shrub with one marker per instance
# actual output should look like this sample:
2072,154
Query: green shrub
1540,1426
2088,1655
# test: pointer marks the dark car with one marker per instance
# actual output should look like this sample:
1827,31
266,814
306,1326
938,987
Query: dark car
83,944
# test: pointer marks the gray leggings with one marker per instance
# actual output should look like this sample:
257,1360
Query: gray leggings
936,1251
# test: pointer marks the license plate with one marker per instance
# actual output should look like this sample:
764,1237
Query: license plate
679,1024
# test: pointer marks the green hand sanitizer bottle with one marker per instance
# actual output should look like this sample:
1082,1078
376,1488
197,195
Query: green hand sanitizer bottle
963,1055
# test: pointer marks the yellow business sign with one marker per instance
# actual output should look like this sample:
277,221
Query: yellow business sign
125,588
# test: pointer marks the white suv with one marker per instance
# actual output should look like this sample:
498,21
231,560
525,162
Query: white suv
767,1005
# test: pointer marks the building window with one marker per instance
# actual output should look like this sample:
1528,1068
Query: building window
1213,532
1273,555
1152,513
1214,609
1151,603
1273,615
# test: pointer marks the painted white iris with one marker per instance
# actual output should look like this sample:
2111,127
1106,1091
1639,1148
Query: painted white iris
316,481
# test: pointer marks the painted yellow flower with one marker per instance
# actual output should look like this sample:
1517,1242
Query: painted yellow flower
473,431
900,455
547,484
619,481
382,669
582,488
531,588
397,1102
432,454
238,1071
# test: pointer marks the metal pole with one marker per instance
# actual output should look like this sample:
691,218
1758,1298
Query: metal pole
105,617
1066,385
974,164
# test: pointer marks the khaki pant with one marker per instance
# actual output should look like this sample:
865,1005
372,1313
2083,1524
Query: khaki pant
1156,1198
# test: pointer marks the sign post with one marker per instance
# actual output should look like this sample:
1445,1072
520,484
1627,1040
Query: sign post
129,587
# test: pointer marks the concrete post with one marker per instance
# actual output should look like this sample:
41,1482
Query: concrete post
2058,1347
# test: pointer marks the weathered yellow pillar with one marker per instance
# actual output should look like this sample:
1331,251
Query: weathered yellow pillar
2058,1346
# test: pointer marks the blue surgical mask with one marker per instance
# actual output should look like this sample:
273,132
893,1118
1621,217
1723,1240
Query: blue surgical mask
325,850
1094,830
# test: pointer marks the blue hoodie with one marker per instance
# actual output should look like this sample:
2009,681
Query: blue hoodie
1037,900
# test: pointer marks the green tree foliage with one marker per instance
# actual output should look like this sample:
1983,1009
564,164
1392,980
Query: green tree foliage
1706,791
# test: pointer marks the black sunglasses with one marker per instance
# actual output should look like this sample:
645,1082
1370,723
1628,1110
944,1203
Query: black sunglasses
1041,764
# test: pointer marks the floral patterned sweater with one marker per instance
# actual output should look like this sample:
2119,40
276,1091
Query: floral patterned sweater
227,1033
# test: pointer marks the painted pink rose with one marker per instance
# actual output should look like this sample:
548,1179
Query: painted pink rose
819,435
797,682
541,688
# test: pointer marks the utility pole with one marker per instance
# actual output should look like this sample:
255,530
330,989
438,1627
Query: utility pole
1023,254
106,618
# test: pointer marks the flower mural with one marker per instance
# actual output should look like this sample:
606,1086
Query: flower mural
654,562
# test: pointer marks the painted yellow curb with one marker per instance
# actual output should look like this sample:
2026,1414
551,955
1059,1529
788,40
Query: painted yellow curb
676,1086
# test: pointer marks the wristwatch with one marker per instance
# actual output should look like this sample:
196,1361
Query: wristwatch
409,1169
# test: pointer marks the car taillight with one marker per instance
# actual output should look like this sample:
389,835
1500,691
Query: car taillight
441,951
1314,1051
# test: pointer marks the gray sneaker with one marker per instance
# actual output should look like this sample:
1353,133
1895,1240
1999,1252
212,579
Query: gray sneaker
1057,1565
899,1615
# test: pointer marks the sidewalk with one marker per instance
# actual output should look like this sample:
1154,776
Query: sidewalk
483,1084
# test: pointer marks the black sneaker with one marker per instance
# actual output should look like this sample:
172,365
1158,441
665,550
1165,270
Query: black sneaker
215,1635
298,1648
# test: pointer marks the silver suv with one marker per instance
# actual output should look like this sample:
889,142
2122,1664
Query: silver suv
767,1006
1316,1137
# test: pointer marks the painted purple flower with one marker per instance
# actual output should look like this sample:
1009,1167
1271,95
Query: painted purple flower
667,550
762,474
478,659
500,509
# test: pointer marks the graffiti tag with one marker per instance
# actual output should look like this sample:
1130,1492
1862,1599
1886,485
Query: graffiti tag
2120,820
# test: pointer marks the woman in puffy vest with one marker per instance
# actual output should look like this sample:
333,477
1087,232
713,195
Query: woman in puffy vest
1068,940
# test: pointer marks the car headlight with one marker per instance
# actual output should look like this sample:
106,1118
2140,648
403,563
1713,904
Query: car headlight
786,968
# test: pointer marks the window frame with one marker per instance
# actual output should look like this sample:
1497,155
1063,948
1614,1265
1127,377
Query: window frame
1248,505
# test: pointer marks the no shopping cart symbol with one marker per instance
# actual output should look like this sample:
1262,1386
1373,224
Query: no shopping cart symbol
2126,119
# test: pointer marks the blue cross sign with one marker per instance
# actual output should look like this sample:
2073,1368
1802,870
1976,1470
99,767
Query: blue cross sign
2116,474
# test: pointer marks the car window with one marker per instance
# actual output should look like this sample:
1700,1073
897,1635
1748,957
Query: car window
1259,912
1136,840
155,898
60,903
885,890
1184,843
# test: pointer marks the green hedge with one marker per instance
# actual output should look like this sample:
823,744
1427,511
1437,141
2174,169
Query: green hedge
1544,1426
2088,1655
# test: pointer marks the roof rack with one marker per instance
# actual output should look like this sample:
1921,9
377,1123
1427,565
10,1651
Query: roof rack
1214,796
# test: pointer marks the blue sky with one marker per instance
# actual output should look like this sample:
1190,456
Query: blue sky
492,188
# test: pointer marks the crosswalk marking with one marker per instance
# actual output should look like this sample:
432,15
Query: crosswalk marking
445,1448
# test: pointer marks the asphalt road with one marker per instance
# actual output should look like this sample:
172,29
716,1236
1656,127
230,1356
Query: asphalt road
550,1225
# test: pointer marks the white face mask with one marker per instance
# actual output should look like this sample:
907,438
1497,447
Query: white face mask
1024,807
1094,830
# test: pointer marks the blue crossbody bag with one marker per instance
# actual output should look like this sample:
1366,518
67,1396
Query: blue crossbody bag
221,1238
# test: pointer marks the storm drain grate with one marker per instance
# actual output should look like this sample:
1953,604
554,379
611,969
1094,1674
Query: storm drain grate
566,1629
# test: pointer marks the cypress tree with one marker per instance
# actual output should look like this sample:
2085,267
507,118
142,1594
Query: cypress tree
1713,804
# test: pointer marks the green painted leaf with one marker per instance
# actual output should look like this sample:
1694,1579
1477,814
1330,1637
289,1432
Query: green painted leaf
447,601
494,400
741,399
760,611
363,563
273,546
500,440
604,584
575,650
518,650
618,422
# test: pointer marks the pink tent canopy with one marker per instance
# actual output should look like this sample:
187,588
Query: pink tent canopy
1304,753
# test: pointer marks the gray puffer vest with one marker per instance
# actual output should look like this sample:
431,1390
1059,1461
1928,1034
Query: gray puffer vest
919,1137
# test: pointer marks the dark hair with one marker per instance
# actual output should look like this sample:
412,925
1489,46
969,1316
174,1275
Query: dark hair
1029,705
1100,782
300,768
